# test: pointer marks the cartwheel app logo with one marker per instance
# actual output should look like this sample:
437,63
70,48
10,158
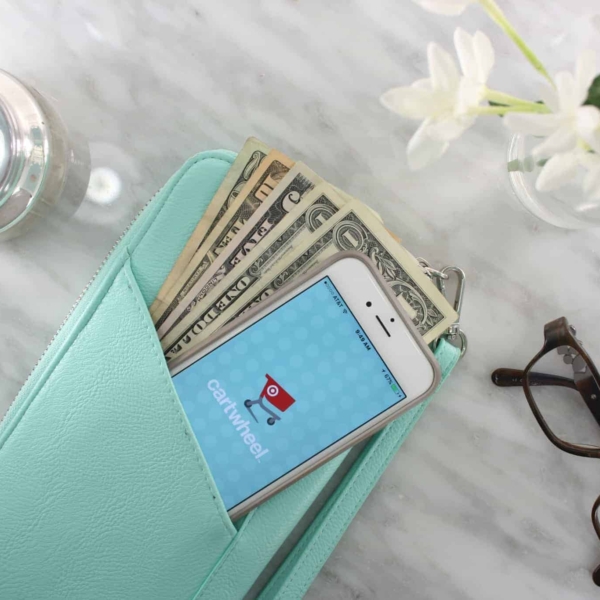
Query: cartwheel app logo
275,395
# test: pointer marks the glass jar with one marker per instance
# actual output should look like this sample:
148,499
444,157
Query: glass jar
44,170
567,207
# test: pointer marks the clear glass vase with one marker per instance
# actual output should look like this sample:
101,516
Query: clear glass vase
568,207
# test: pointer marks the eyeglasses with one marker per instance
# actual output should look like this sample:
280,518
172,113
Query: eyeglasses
551,396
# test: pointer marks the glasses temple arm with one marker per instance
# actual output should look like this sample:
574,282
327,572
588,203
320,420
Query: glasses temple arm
514,378
596,524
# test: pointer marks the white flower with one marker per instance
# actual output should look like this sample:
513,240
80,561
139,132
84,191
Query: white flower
568,119
591,182
445,7
445,100
567,128
559,169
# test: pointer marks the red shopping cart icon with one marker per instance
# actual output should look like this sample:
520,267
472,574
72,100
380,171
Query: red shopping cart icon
275,395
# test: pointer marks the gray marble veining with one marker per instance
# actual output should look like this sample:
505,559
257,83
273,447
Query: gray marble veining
477,504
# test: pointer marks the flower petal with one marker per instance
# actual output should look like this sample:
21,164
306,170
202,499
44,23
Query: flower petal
589,160
585,72
412,102
560,169
444,7
591,183
449,129
549,97
532,123
470,94
484,55
568,98
423,149
562,140
463,42
442,69
588,126
423,84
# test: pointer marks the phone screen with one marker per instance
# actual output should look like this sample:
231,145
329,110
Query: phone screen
284,389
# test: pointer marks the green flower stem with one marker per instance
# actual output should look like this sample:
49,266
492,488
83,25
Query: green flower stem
502,98
496,14
502,110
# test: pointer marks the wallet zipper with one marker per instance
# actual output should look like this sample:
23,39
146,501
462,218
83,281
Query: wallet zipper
85,289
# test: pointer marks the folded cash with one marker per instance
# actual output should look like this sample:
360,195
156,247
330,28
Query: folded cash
271,220
248,160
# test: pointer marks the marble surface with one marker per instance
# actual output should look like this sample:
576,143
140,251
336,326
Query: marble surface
478,504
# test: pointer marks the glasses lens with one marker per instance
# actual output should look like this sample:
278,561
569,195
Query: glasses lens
560,401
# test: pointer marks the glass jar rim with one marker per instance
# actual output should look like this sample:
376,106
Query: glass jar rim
27,145
5,146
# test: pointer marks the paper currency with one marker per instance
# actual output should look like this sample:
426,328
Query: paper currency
270,221
352,228
348,198
314,211
244,166
282,200
273,168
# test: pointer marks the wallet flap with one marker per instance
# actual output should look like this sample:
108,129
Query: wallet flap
105,492
264,530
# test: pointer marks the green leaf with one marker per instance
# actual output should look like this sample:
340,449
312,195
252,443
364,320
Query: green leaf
594,93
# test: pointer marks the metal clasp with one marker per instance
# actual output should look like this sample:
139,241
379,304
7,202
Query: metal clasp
431,272
454,334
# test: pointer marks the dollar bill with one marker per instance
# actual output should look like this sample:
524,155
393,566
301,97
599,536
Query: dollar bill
283,200
314,211
350,198
352,228
246,163
271,171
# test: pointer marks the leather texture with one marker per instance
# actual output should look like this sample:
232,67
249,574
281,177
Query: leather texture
262,533
104,491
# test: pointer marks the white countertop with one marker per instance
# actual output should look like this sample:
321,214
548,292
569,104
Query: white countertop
478,504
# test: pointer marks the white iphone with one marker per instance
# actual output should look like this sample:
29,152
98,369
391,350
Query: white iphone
301,377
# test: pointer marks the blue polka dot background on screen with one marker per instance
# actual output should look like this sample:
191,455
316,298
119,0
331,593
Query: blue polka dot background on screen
283,390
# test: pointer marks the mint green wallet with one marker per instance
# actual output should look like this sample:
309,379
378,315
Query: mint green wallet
104,492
